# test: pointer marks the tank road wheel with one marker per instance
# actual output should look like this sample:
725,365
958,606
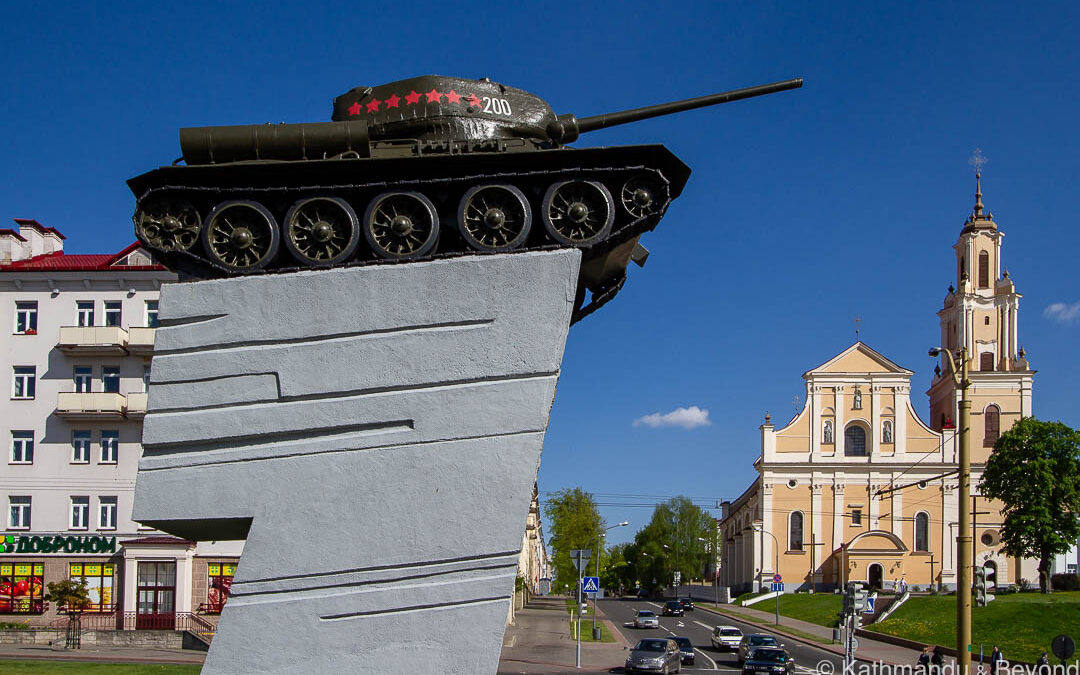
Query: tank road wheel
241,236
401,225
578,213
644,195
321,231
167,223
494,217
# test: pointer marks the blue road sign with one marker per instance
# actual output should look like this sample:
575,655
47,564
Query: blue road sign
777,578
590,585
869,609
777,587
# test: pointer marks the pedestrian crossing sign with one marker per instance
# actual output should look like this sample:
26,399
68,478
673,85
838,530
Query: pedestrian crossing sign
590,585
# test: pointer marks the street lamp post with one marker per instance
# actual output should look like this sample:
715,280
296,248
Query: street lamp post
760,527
598,550
964,559
688,593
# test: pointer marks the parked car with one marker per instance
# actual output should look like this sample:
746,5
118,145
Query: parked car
726,638
687,649
646,619
752,640
654,655
771,660
687,604
673,608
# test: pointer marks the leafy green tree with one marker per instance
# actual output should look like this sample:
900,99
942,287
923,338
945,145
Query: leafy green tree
1034,471
72,595
574,523
671,542
616,572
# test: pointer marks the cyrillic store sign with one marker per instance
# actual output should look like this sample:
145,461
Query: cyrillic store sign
60,543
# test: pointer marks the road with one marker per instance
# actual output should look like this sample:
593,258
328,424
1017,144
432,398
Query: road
697,625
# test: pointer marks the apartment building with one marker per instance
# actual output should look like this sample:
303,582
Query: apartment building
78,359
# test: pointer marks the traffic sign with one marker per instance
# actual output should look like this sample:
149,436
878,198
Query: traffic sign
1063,647
590,585
678,577
870,602
777,587
777,578
580,557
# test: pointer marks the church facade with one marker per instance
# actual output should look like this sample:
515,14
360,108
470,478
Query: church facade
857,487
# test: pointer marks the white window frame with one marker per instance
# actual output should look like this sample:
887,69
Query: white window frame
78,450
107,513
114,307
106,370
20,509
84,316
80,513
26,314
28,381
22,447
150,310
86,378
109,451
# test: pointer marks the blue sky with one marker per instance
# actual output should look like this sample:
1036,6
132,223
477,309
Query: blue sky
805,208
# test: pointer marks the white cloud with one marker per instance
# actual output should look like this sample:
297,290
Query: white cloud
687,418
1062,313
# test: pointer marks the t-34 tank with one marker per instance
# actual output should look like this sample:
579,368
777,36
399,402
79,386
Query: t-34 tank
415,169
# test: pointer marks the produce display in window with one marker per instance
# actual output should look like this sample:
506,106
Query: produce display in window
22,588
99,584
220,581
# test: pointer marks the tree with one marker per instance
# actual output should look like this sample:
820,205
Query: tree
71,595
616,572
575,523
1034,471
670,543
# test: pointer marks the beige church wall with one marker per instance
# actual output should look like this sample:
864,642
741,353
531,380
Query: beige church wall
795,437
855,362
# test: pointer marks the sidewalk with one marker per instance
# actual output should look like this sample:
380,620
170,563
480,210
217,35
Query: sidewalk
539,642
101,653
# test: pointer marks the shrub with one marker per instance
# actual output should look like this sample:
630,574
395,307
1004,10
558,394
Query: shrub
1065,582
13,625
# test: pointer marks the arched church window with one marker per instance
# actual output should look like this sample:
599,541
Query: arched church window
795,528
986,361
827,432
922,531
886,432
855,441
984,269
991,425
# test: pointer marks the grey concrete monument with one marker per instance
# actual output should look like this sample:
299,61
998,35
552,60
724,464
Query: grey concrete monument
374,433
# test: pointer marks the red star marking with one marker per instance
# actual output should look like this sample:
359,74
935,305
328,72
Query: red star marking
433,97
373,105
473,100
412,97
453,97
354,109
392,101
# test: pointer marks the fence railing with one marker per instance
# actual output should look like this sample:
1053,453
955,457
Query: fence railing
188,621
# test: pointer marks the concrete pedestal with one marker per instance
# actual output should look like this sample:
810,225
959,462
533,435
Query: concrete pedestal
374,433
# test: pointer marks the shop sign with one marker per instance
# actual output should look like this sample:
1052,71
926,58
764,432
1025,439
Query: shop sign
25,543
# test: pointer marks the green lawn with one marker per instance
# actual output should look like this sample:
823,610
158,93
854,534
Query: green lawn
820,608
586,634
85,668
1022,625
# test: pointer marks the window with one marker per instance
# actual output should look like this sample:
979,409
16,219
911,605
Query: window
22,588
151,313
112,312
110,379
83,376
146,378
99,580
991,425
855,441
856,517
795,528
110,445
22,447
80,513
26,317
25,383
84,312
984,269
106,513
220,577
19,513
886,431
922,532
80,447
986,361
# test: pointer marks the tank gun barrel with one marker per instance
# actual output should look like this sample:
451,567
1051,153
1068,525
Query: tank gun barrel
567,128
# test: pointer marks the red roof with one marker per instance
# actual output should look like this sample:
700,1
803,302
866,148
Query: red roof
80,262
158,540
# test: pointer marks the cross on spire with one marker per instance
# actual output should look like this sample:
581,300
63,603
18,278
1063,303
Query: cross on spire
978,160
858,320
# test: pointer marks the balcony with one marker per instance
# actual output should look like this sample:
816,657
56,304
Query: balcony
91,406
141,341
136,406
88,340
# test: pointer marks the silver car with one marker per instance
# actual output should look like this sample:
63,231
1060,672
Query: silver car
751,641
646,619
726,638
654,655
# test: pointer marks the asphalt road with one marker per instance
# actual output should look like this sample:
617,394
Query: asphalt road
697,625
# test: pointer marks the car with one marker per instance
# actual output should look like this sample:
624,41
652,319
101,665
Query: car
687,604
646,619
673,608
752,640
726,638
643,592
654,655
687,649
772,660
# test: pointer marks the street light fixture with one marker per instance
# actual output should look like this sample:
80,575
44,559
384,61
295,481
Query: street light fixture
964,559
598,552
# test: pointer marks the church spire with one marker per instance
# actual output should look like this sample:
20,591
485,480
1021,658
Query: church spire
977,218
977,213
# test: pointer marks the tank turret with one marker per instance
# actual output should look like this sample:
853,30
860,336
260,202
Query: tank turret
425,167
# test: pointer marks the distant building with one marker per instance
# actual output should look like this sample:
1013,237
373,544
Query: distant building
856,487
77,359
